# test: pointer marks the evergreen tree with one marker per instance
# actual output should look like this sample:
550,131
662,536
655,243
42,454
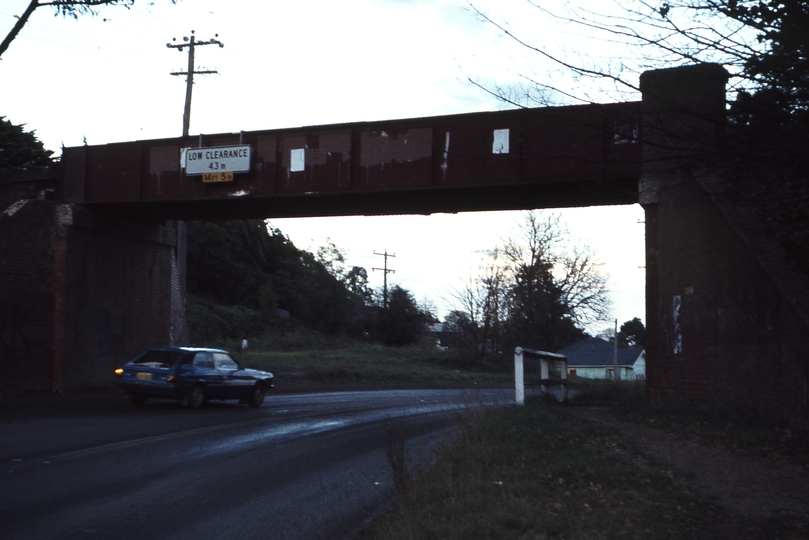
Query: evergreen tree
632,334
401,322
243,265
20,149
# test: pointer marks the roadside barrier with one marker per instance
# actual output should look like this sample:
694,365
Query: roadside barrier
545,358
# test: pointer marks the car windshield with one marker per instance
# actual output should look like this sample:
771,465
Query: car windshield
159,358
224,362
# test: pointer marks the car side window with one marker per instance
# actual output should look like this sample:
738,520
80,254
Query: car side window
203,360
224,362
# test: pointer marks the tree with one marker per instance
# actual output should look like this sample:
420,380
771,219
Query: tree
243,264
356,280
762,42
533,292
332,258
764,45
469,321
401,322
483,303
632,334
555,292
20,148
66,8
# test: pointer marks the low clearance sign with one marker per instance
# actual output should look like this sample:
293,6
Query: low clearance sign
217,159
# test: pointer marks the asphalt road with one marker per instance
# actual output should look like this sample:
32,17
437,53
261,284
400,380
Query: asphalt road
301,466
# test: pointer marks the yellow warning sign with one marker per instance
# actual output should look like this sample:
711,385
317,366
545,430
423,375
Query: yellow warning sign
218,177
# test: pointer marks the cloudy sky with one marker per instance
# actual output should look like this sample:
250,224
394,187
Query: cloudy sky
288,64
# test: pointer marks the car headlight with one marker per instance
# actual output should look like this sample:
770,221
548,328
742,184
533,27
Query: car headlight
119,372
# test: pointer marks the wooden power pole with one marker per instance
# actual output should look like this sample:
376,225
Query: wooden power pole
386,272
189,81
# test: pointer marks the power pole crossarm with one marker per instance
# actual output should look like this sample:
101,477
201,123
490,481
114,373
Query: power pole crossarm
191,43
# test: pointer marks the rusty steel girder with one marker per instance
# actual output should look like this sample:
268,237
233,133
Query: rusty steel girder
530,158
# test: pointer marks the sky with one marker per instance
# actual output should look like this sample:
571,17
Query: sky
104,79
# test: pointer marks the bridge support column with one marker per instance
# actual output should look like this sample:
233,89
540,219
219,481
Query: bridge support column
682,111
81,293
720,327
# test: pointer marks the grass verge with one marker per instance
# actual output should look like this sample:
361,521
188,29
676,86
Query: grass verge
726,428
721,427
601,391
359,363
541,472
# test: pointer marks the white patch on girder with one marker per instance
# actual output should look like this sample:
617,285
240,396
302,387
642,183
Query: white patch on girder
676,304
240,193
500,144
297,159
444,160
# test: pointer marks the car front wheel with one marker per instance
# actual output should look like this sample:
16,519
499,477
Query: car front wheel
257,395
195,397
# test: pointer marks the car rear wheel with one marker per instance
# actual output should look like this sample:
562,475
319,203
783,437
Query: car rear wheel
257,395
195,397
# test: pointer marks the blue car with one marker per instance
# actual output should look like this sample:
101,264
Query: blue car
192,375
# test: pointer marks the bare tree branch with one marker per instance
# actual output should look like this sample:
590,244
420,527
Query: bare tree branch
71,8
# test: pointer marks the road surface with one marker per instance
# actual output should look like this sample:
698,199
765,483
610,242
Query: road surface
301,466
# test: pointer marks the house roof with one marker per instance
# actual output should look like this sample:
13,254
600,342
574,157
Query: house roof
597,352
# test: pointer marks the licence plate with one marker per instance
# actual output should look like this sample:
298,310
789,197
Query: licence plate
144,376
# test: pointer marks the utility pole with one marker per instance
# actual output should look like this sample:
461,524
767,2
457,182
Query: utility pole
615,375
189,81
386,272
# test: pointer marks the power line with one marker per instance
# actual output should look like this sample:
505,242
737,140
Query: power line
189,81
386,272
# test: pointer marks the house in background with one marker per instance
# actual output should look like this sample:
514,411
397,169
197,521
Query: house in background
443,337
592,358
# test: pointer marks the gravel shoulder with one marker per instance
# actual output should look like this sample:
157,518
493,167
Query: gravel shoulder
754,497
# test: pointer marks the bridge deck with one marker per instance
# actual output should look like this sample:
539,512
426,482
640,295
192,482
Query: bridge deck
529,158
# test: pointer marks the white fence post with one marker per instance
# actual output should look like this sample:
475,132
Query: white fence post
519,378
560,362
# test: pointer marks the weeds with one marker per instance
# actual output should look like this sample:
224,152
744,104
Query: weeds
540,472
395,444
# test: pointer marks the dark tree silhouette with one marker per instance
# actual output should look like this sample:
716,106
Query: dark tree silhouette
20,148
632,334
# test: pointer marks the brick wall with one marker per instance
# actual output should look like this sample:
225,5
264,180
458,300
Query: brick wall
27,289
81,293
724,306
725,333
118,296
